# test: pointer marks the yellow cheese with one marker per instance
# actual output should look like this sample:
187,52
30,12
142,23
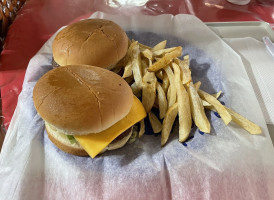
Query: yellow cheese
95,143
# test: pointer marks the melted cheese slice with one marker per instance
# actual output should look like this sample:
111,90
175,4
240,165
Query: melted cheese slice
95,143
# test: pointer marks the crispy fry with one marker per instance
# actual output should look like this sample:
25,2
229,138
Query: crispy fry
136,90
168,122
185,120
159,46
162,101
136,66
161,52
186,73
205,103
186,60
127,70
217,105
166,59
147,54
197,109
144,66
249,126
170,75
165,84
142,128
149,90
155,123
197,85
246,124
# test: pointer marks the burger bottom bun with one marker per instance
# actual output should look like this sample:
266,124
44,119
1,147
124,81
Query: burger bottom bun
62,142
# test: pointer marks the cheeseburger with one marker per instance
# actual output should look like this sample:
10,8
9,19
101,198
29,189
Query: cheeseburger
96,42
86,109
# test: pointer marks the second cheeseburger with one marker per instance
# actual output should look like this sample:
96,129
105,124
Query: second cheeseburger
86,109
97,42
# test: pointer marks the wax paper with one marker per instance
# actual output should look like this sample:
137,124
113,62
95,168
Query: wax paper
228,163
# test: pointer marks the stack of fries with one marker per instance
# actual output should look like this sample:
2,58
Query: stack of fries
164,81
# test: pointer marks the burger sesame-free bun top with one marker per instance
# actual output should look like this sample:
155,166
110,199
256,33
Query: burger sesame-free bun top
81,99
96,42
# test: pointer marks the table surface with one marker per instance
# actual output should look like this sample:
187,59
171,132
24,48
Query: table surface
39,19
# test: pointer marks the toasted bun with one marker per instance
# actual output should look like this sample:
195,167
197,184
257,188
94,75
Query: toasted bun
62,142
96,42
82,99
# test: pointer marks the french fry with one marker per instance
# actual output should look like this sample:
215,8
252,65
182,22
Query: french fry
197,85
186,73
166,59
165,84
136,66
127,70
217,95
168,122
142,128
161,52
147,54
149,90
155,123
144,66
186,60
159,46
168,94
226,117
136,90
143,46
243,122
170,75
162,101
249,126
184,111
206,104
197,109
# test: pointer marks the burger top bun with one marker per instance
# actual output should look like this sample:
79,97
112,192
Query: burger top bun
96,42
81,99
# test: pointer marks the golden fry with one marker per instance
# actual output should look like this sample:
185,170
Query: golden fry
149,90
159,46
165,84
197,85
127,70
249,126
155,123
136,90
217,105
162,52
170,75
147,54
166,59
246,124
186,73
168,122
197,109
136,66
162,101
185,120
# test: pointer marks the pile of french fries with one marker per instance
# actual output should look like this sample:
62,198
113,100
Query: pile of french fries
162,80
